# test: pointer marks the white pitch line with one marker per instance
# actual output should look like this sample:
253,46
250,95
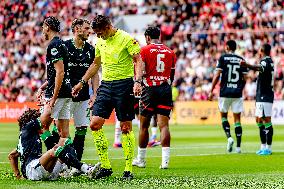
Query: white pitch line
177,155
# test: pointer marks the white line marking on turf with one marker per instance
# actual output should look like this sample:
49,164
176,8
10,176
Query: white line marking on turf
177,155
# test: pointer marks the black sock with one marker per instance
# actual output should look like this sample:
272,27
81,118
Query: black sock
269,135
67,155
226,127
262,134
239,132
49,140
79,141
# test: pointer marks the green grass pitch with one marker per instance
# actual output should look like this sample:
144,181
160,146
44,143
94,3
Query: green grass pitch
198,160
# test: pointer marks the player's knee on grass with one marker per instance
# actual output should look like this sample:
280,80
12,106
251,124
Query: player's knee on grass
125,127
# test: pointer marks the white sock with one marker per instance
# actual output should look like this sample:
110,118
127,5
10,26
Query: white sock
141,154
262,146
154,132
138,124
85,168
268,147
117,132
165,155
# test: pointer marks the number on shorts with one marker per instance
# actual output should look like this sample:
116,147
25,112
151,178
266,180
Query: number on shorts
88,112
160,64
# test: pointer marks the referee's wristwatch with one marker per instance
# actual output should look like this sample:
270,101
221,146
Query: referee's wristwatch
138,81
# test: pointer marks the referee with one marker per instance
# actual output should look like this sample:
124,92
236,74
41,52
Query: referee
115,51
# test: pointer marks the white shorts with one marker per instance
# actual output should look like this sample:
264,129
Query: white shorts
80,111
61,109
263,109
35,171
235,103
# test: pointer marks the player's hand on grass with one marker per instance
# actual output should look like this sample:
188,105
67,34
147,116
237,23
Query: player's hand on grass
137,89
210,96
76,89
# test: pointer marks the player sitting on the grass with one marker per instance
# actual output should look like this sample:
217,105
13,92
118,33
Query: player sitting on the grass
156,97
232,84
264,98
34,164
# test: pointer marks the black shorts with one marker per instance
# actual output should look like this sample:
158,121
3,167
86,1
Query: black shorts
116,95
156,100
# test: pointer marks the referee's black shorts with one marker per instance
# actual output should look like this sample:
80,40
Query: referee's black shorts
116,94
156,100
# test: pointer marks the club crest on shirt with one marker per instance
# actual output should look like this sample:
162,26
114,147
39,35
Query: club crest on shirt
54,51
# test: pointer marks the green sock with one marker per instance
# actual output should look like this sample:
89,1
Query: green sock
101,144
128,143
267,125
259,124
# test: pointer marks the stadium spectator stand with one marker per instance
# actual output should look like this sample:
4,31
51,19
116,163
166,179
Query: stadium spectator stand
195,29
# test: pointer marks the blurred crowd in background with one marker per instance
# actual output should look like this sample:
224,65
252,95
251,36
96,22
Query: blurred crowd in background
195,29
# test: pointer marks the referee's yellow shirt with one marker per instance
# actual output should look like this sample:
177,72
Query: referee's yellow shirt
116,56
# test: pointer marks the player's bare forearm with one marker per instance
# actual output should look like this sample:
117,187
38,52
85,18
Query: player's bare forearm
43,86
252,67
215,80
139,66
93,69
13,158
95,83
59,68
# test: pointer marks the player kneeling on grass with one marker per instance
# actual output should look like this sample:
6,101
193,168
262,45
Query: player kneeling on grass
156,94
264,98
34,164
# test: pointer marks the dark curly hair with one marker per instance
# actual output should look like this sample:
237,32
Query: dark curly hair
79,22
100,22
27,116
53,23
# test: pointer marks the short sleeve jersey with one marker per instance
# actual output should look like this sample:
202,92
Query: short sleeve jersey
232,79
29,145
116,56
265,81
79,62
159,61
57,51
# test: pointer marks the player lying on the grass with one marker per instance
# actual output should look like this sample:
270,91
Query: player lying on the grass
264,98
34,164
156,97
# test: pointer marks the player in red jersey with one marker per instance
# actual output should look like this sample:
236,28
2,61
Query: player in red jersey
156,98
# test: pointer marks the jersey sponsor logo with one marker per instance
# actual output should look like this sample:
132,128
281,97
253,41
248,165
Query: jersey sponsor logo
160,50
233,59
71,64
54,51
